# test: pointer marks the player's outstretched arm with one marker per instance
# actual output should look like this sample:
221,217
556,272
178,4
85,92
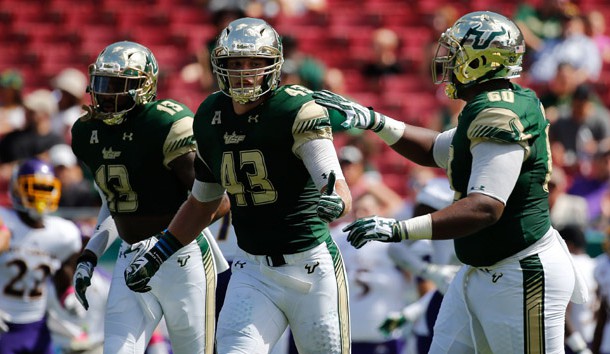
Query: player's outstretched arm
412,142
192,217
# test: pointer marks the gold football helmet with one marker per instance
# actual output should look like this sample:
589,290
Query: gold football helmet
247,38
124,75
480,46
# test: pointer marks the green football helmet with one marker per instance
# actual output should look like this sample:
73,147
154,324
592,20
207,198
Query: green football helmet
247,38
479,47
124,75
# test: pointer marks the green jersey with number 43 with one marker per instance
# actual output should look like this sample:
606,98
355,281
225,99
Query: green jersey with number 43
129,160
505,116
273,197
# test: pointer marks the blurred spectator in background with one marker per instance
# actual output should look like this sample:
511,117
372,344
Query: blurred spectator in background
573,47
291,8
443,18
69,88
361,181
580,126
542,22
580,318
601,336
385,46
596,29
223,12
36,136
594,182
559,90
76,190
566,209
300,68
12,113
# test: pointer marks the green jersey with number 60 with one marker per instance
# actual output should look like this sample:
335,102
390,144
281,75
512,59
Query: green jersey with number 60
273,197
504,116
129,160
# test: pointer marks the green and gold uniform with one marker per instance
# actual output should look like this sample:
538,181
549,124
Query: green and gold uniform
273,197
505,116
130,163
287,270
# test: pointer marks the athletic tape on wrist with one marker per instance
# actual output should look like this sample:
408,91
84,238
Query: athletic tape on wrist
576,342
392,130
417,228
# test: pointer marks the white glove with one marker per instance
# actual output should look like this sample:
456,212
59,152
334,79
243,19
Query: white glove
82,280
144,264
357,116
4,318
330,205
372,228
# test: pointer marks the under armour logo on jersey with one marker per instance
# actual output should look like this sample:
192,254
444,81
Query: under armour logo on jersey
324,175
496,276
108,154
127,136
239,264
183,259
311,268
253,118
479,188
233,138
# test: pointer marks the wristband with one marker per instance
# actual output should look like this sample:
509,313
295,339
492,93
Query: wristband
167,245
87,257
417,228
391,131
576,342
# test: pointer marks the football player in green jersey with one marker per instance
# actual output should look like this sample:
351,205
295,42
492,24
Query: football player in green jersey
141,152
512,293
268,147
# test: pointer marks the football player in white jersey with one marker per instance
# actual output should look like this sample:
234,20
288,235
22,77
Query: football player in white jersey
40,245
376,286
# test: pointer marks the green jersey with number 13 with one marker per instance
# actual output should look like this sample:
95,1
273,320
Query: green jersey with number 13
129,160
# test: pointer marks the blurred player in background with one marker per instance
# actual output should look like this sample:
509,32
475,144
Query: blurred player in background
376,286
40,246
140,151
270,149
512,295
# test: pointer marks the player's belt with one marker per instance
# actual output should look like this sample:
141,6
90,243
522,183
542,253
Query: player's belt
275,260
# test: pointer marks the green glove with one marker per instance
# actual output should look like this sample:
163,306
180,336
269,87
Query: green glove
393,321
357,116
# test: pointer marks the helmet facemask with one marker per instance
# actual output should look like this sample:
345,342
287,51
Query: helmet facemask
247,38
123,76
34,189
479,47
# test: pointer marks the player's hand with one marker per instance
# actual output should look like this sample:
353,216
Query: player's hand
372,228
82,280
330,206
392,322
4,318
357,116
143,266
